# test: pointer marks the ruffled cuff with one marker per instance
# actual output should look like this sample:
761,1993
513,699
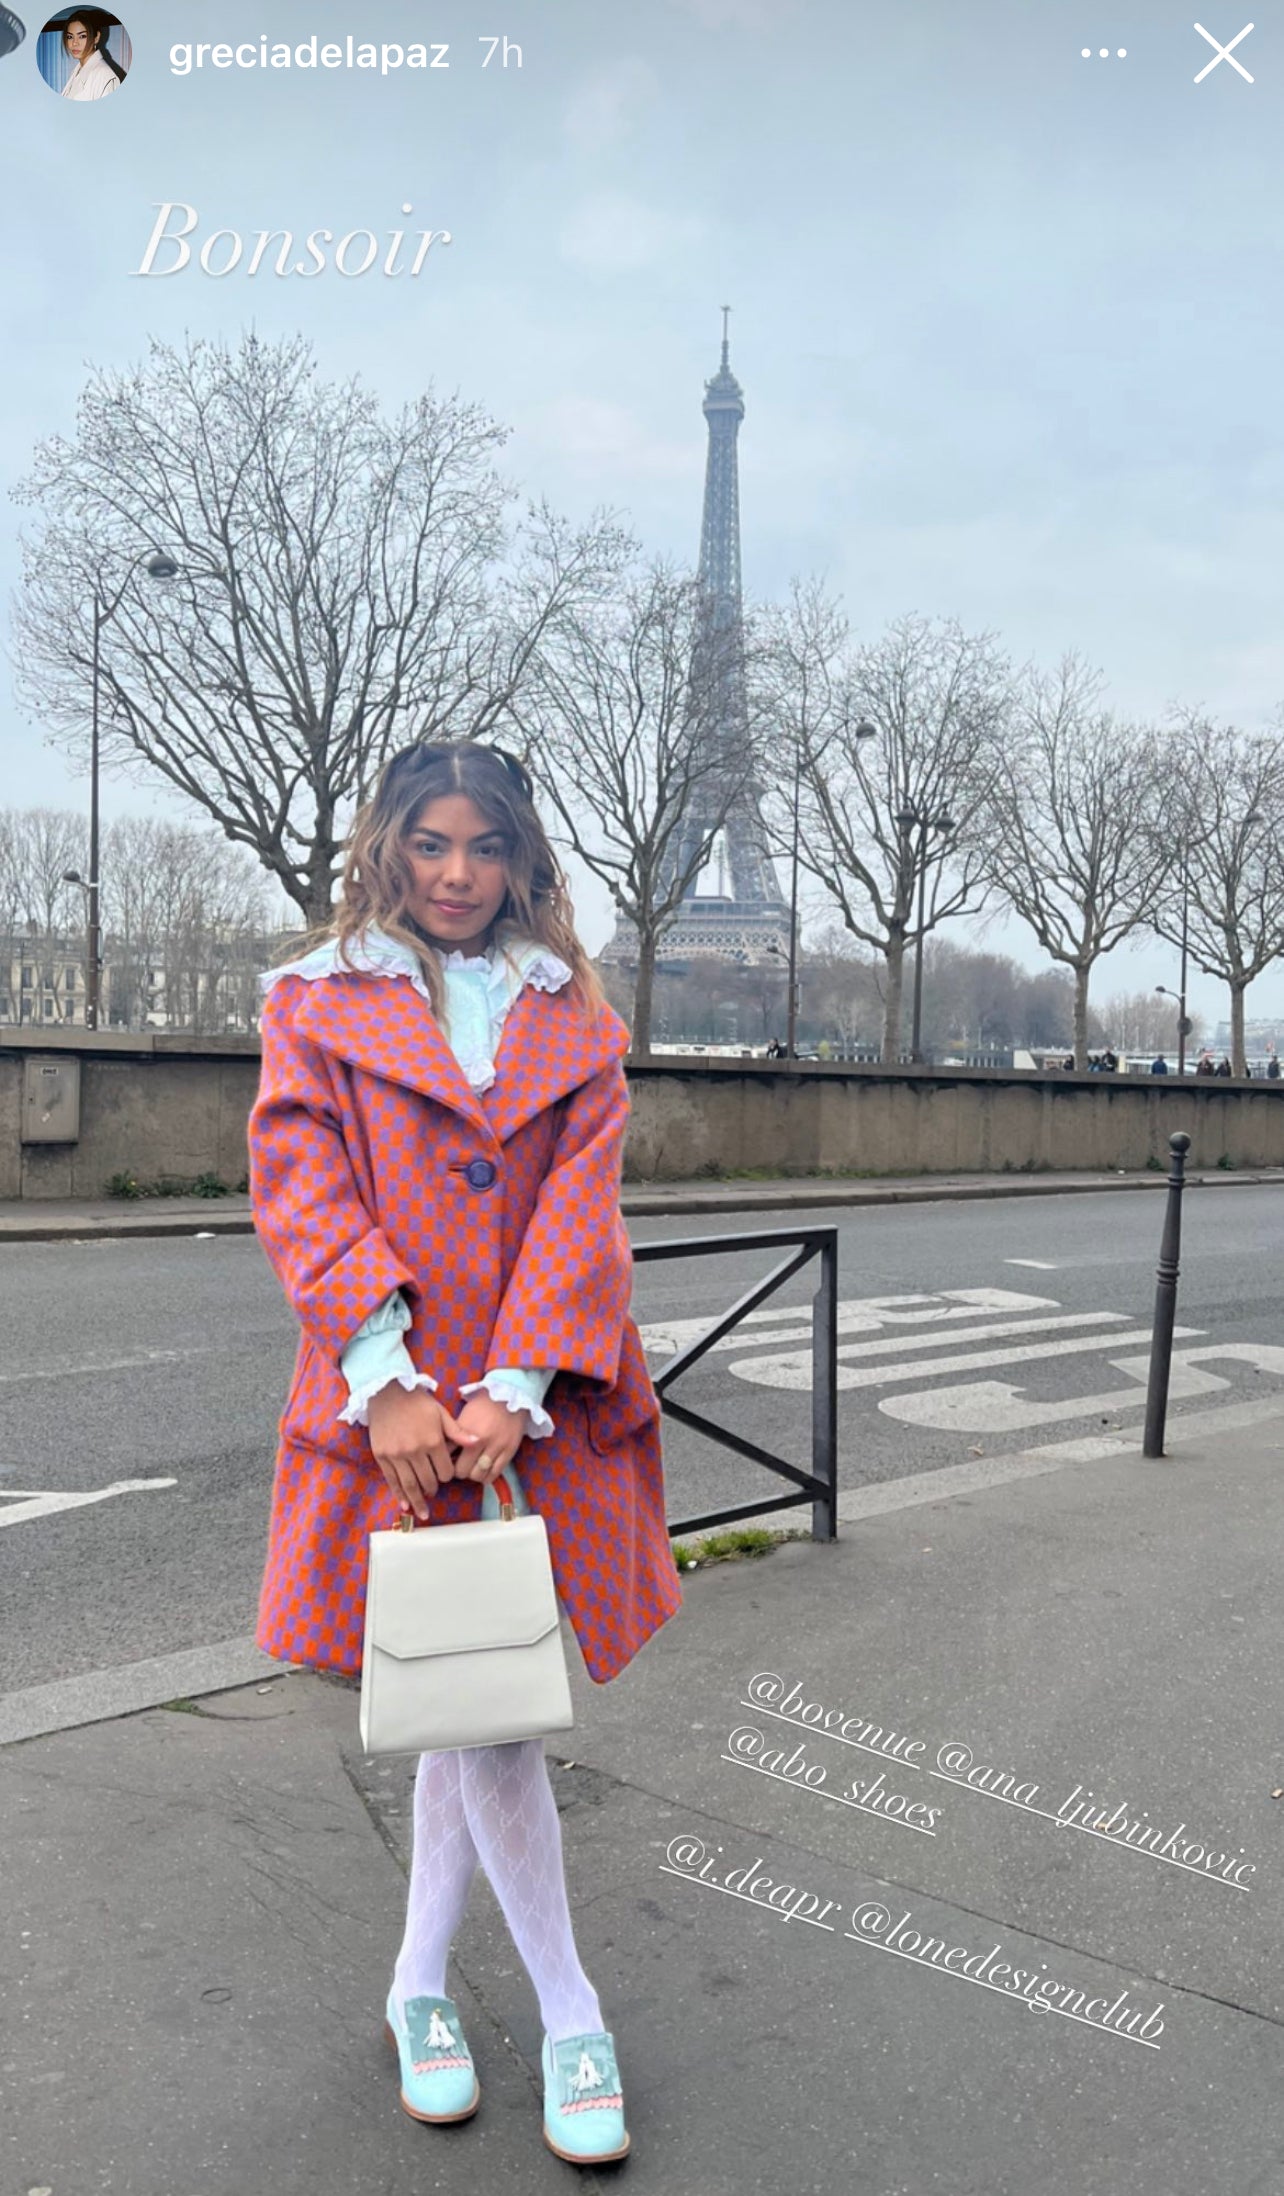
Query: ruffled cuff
376,1356
520,1388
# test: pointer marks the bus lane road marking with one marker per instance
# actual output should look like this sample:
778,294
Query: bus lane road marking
22,1505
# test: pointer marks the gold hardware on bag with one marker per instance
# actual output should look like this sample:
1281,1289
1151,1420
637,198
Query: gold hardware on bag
406,1524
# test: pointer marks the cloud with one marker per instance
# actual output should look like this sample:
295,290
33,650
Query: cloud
613,443
612,233
750,15
604,108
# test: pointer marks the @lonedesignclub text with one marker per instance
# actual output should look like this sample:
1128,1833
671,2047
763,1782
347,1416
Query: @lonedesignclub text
872,1923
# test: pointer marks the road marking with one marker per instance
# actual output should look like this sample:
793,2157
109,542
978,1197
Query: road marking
856,1315
20,1505
991,1406
918,1489
114,1364
795,1371
1040,1265
944,1339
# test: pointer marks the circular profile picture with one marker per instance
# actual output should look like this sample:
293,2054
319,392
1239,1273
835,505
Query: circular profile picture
84,53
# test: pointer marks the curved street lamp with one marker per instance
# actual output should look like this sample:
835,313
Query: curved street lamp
862,731
925,821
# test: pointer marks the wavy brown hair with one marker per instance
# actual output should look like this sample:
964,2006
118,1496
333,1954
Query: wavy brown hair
377,876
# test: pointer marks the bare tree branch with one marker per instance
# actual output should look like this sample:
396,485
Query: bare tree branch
345,582
628,728
937,699
1069,824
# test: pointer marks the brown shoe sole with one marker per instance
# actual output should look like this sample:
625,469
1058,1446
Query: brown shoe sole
601,2157
433,2119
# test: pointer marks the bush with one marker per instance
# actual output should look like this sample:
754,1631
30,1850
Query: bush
127,1184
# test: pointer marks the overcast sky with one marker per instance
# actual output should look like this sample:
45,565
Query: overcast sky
1007,319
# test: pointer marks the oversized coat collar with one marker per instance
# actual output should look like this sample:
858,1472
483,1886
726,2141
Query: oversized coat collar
382,1024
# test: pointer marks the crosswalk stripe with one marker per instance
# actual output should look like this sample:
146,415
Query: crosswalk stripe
795,1371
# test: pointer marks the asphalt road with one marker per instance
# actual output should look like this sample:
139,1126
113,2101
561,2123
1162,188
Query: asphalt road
1010,1324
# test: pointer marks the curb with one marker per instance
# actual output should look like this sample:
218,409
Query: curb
641,1204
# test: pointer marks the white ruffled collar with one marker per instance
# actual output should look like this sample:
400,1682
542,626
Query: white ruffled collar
478,1009
376,954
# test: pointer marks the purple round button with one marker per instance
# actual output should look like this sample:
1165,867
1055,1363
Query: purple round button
481,1173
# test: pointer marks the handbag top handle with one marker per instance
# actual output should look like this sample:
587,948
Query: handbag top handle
407,1523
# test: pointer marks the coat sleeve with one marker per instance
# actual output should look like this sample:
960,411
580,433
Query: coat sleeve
569,1292
334,1264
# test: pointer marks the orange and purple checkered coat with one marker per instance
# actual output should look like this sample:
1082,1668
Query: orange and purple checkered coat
365,1140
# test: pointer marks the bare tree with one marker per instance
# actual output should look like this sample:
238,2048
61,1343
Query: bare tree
1220,855
936,699
1069,821
1144,1022
11,878
184,915
41,845
639,725
344,582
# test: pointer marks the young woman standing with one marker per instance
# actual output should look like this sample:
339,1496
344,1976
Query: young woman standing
435,1169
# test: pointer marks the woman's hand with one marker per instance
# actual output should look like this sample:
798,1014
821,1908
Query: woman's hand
411,1435
495,1436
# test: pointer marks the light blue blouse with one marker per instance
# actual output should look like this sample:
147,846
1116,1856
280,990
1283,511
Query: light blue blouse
480,990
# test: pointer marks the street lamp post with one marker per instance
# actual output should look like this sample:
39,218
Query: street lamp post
1253,818
159,567
924,821
791,1010
1183,1024
863,731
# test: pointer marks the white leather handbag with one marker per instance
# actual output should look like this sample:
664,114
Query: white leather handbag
462,1641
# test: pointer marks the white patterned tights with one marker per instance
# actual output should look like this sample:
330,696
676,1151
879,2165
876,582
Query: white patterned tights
494,1804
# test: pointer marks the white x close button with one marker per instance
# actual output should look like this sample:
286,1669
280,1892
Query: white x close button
1224,53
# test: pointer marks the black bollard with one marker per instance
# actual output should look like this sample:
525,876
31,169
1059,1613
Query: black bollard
1161,1340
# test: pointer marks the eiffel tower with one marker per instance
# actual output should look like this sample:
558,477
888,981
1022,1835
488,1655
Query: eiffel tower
750,923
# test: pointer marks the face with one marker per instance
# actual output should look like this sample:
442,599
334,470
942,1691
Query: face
459,873
78,41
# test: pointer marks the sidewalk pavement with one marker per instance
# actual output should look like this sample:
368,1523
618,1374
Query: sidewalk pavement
28,1220
1080,1657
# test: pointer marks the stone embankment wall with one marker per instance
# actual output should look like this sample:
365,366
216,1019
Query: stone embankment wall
175,1108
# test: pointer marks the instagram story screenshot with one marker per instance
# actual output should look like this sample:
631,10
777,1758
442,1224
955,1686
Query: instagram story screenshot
641,1122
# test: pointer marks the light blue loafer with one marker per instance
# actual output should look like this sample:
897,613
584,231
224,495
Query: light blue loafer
438,2079
583,2104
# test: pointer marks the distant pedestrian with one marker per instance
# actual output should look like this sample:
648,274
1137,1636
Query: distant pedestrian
1273,1066
1204,1064
1069,1065
1109,1061
1223,1066
1159,1066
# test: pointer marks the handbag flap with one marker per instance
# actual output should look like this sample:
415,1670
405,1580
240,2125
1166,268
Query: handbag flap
454,1589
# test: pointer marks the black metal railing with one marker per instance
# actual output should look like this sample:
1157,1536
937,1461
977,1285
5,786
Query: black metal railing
819,1486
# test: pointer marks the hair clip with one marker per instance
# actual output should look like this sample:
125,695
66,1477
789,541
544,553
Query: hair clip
516,770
